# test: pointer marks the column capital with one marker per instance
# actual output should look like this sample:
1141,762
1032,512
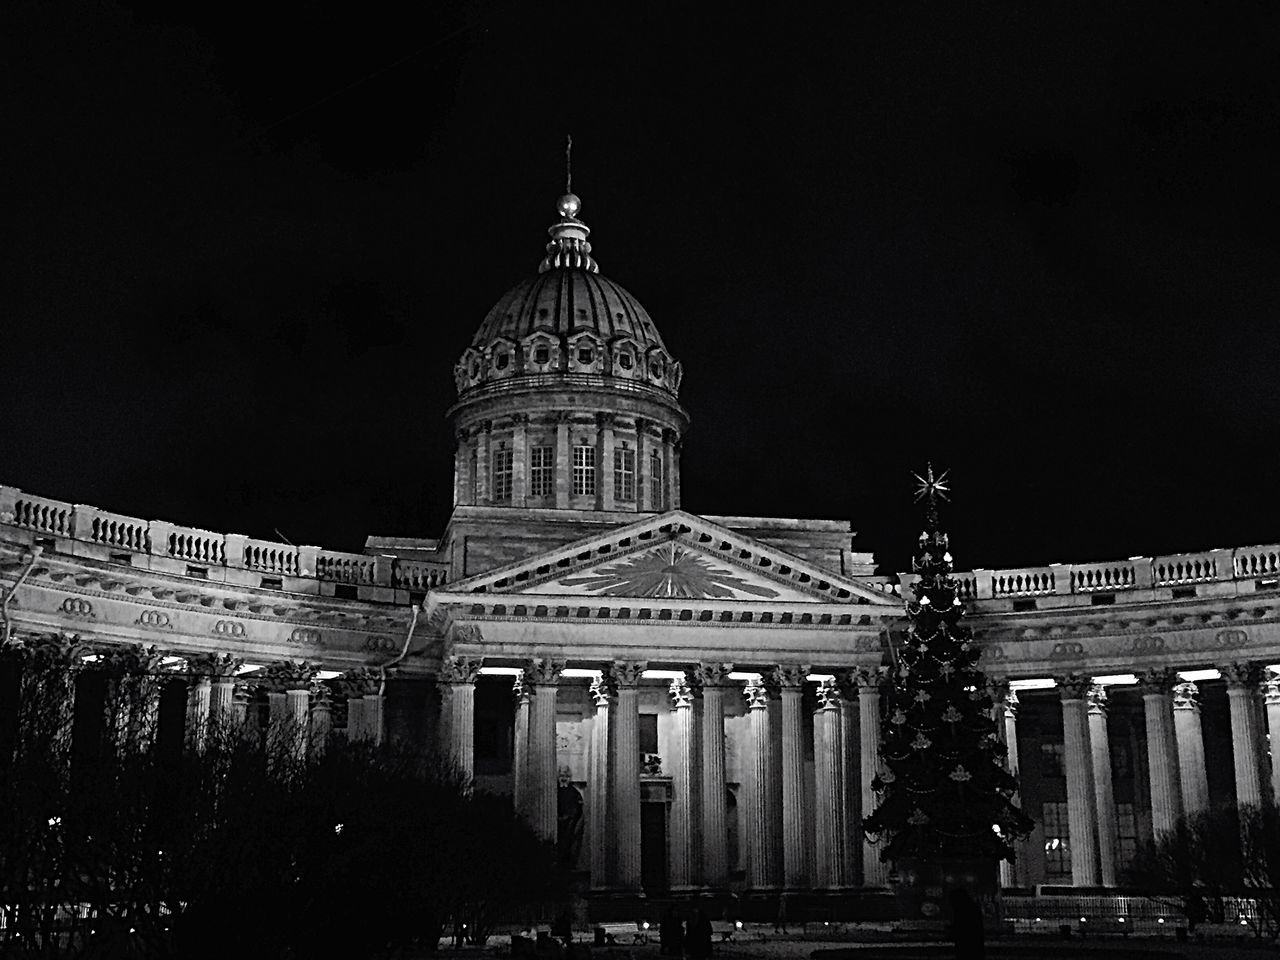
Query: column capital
628,672
242,693
286,675
1241,673
460,669
998,688
681,693
1157,680
790,675
544,672
522,687
1073,686
603,690
757,694
1186,696
829,695
218,666
870,679
520,418
713,674
359,682
1271,690
1097,696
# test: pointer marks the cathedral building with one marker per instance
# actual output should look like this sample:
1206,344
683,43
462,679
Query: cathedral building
679,702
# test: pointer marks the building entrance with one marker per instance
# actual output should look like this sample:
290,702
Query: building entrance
653,847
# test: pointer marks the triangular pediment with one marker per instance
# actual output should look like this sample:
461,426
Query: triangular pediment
672,555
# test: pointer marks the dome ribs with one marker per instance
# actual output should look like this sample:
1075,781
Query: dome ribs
599,306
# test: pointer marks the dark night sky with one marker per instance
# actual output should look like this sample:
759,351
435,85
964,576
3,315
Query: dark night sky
1034,243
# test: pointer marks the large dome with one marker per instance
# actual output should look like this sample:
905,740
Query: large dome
567,323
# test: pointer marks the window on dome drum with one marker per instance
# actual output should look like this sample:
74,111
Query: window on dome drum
542,354
502,461
657,369
542,471
1057,855
655,480
625,361
584,471
585,355
501,360
1051,760
624,474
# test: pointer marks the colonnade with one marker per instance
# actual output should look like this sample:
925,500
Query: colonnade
1175,760
794,838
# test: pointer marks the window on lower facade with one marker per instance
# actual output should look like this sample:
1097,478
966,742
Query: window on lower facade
1051,760
542,472
502,461
624,474
655,480
1126,835
584,471
1057,855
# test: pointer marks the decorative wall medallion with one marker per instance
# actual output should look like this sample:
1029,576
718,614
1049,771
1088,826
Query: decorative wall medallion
1067,650
77,607
1147,645
1227,639
866,645
305,635
153,618
229,628
380,644
669,570
993,652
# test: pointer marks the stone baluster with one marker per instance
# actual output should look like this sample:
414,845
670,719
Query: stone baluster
1005,713
683,832
713,678
1243,680
459,674
829,789
1272,694
1162,757
795,813
1082,817
543,772
1103,791
761,871
1189,734
626,774
875,871
599,788
522,690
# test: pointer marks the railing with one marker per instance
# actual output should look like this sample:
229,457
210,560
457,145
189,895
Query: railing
419,574
1088,577
345,567
1022,583
268,557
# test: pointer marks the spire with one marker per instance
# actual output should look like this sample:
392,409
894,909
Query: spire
569,247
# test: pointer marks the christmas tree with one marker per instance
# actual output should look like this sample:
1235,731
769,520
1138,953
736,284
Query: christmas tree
943,788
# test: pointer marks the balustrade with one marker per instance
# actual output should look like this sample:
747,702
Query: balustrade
1087,577
268,557
1022,583
345,567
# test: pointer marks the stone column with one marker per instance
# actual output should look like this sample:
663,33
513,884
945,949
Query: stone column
484,463
829,789
852,743
875,872
1005,713
321,719
683,832
355,719
1162,759
519,459
522,689
715,830
1082,817
564,461
543,774
299,700
1272,693
460,673
599,788
1243,680
795,814
626,774
1190,739
241,700
761,872
289,684
198,712
221,669
607,500
1103,792
364,713
644,502
372,709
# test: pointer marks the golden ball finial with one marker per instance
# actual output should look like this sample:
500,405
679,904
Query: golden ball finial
568,205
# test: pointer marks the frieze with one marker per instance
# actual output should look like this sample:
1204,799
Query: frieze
305,635
1067,650
77,607
993,652
153,618
380,645
1147,644
230,628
